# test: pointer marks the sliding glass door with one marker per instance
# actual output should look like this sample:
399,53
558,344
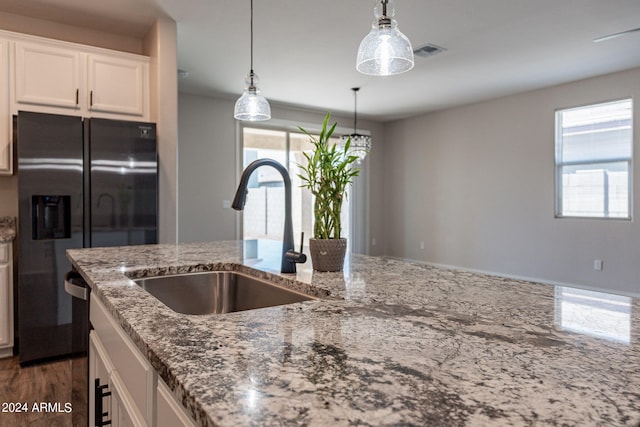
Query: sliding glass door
263,216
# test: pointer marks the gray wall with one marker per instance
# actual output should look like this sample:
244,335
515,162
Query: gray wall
476,185
208,164
206,168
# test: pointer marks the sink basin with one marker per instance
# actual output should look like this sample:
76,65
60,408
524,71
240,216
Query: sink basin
218,292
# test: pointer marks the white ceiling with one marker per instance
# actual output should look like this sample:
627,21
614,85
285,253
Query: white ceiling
305,50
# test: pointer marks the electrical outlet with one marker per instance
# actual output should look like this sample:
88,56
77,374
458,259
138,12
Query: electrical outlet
373,241
422,245
597,264
226,204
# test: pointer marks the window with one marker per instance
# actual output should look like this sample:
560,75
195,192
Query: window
593,160
263,215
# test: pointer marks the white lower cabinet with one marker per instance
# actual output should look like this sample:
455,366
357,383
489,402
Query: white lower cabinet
6,301
169,413
110,401
100,369
124,412
124,389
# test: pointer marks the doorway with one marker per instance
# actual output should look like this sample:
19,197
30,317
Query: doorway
263,216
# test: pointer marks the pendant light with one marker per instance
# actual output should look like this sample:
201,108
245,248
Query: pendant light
385,50
252,106
360,144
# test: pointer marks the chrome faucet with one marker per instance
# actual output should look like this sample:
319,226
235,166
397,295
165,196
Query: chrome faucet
289,256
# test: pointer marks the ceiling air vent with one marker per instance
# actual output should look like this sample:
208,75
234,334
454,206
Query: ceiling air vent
428,50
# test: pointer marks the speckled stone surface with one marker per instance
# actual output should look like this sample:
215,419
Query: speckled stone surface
389,343
7,229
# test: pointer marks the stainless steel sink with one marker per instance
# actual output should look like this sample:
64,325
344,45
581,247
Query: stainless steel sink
218,292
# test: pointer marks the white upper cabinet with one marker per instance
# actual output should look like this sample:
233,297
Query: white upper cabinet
56,77
117,85
6,145
64,78
47,75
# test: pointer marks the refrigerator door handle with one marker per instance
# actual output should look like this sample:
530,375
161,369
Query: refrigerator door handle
75,285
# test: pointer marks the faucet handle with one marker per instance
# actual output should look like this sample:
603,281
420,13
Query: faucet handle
297,257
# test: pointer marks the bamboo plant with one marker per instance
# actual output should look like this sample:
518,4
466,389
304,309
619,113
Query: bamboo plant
327,173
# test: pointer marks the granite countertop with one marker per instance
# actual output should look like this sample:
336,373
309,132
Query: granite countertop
7,229
395,343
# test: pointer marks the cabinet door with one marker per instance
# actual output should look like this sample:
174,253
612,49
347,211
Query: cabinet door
100,369
6,146
124,412
6,307
117,85
169,413
47,75
135,372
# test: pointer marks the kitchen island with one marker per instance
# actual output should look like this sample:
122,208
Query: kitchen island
388,343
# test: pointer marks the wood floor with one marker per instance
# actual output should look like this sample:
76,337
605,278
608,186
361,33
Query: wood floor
48,386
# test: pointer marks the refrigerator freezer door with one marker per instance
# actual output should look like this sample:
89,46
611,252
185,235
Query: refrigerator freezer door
123,182
50,192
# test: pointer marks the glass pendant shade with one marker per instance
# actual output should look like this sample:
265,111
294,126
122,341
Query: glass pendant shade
385,50
252,106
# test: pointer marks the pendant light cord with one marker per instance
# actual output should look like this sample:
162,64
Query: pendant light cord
251,73
384,21
355,109
251,26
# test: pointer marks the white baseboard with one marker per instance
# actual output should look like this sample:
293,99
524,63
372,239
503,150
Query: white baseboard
6,352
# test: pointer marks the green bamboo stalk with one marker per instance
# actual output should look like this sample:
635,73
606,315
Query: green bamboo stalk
328,172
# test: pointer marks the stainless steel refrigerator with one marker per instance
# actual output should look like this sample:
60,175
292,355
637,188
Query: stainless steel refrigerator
81,183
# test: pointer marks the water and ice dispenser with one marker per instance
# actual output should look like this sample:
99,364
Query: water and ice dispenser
51,216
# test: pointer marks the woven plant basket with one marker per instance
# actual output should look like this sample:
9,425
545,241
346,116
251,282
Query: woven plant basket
327,254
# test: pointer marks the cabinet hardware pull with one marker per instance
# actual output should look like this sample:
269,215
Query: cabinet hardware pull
100,393
77,96
91,99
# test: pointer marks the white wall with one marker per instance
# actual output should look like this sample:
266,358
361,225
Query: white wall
70,33
476,185
160,44
208,162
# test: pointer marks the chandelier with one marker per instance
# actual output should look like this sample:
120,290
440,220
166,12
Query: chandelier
360,144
